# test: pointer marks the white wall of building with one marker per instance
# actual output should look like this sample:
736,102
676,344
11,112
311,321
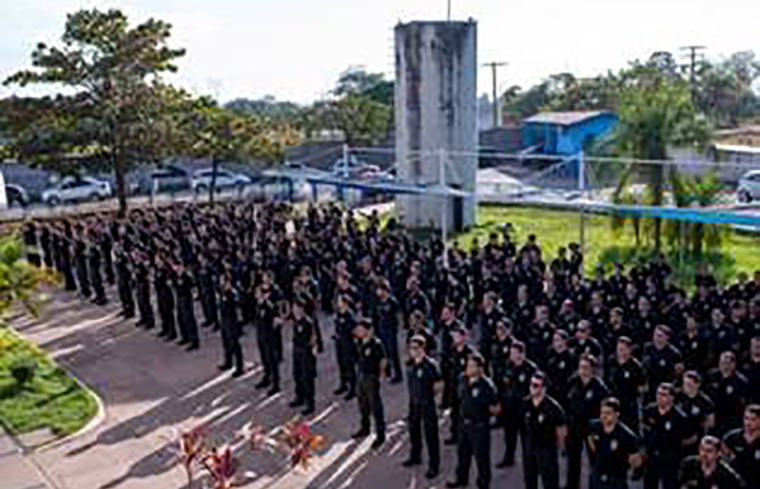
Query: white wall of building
436,109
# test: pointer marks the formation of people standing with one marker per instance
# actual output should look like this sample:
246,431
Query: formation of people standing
647,379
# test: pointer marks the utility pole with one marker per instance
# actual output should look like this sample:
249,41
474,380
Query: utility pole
694,51
448,10
496,101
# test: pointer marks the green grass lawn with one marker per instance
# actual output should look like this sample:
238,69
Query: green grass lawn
52,399
558,228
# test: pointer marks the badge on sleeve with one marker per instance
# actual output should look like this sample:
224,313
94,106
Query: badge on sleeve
757,455
729,389
614,445
694,345
662,362
475,392
419,373
521,378
540,418
589,395
627,375
668,426
695,410
562,365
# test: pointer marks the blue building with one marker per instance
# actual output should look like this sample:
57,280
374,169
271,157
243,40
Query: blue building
566,133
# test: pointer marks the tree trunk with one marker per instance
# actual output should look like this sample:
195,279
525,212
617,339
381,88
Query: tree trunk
121,190
212,186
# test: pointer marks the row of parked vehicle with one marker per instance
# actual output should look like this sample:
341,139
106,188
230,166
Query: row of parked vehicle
169,179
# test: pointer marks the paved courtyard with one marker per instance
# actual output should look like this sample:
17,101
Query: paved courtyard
152,389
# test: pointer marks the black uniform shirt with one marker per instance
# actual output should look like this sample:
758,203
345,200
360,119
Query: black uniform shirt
371,354
584,401
477,396
421,379
624,380
746,455
610,460
691,476
664,433
517,379
696,410
540,422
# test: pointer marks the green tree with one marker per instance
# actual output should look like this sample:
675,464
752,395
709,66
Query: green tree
223,136
19,280
656,113
112,102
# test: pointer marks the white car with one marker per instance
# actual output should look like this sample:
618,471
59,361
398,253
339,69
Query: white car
81,189
352,167
749,187
224,179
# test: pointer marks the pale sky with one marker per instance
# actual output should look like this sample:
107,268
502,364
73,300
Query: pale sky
295,49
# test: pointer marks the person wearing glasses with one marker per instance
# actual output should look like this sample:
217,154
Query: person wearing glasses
543,433
422,375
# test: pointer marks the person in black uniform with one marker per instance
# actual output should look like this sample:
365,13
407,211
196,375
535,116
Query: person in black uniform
454,365
304,356
230,326
516,382
386,319
751,370
661,360
183,288
625,379
742,445
698,409
345,347
268,332
584,397
207,285
105,243
544,432
707,470
561,365
142,284
478,402
613,448
371,367
46,243
665,434
728,388
94,266
422,375
124,280
30,240
165,300
80,261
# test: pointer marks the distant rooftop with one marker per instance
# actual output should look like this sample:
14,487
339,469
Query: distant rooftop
564,118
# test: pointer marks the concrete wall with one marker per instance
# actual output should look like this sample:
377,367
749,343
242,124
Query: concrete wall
436,108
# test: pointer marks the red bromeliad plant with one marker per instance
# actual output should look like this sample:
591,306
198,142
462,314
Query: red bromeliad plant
300,442
222,465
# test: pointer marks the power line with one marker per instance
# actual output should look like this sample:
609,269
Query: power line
496,105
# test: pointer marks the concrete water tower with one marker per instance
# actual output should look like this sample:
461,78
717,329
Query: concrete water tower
436,118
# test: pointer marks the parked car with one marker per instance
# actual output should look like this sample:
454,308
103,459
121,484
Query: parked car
749,187
77,189
170,179
224,179
16,195
352,167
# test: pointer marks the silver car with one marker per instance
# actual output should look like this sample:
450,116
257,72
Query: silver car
749,187
73,189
